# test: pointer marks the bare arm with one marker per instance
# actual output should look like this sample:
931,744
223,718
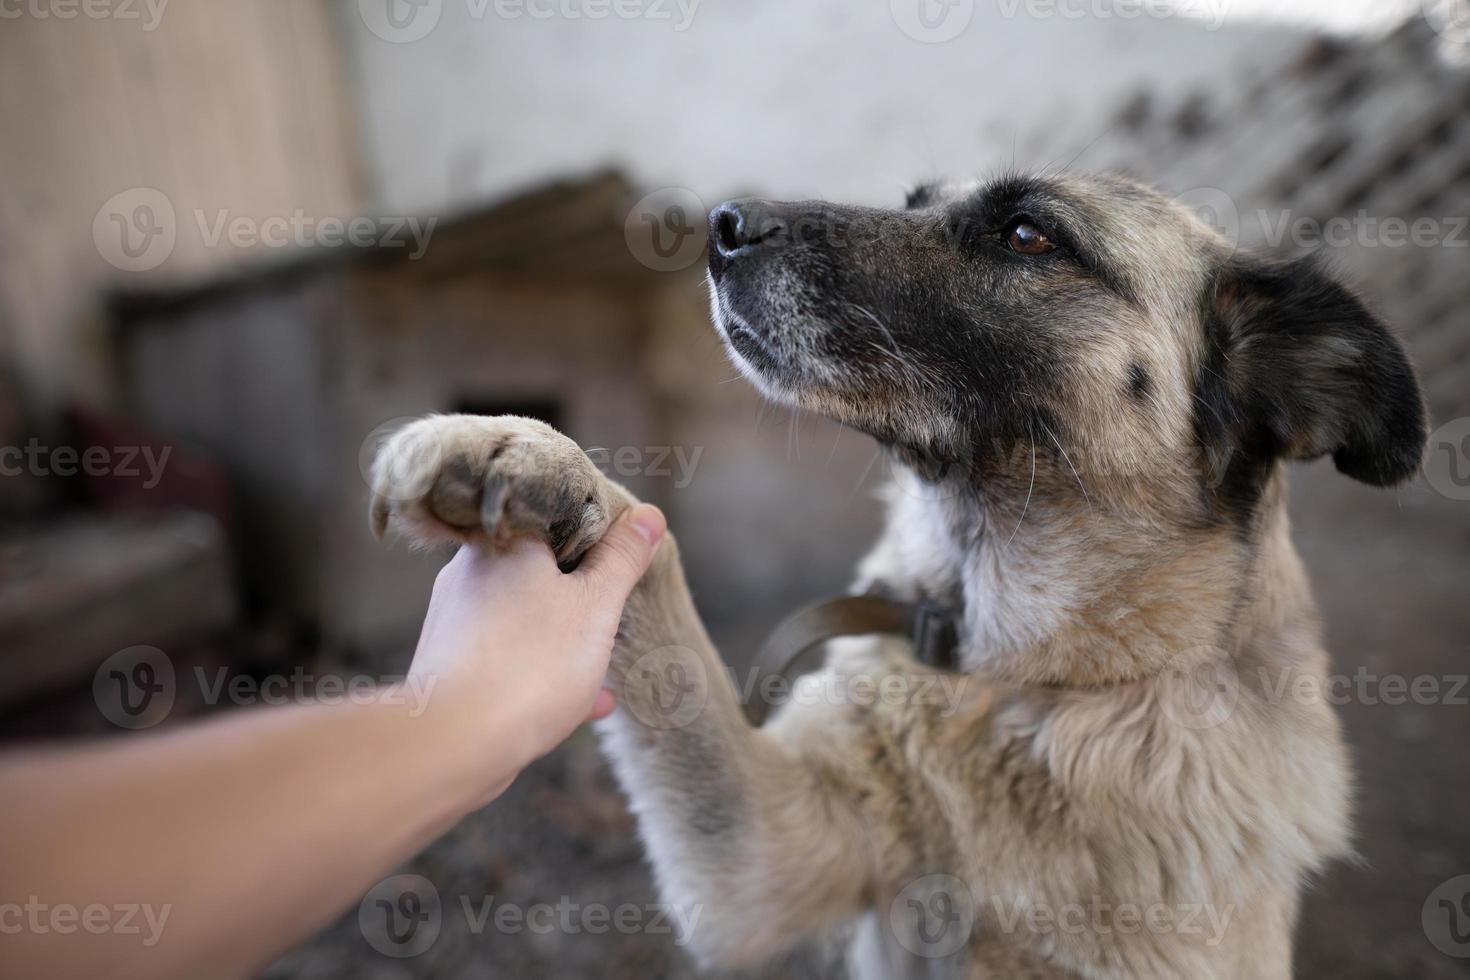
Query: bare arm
235,840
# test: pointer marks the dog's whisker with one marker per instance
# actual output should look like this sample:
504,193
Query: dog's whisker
1027,506
1078,476
877,323
863,476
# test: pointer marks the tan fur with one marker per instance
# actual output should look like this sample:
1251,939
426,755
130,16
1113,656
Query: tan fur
1055,796
1073,772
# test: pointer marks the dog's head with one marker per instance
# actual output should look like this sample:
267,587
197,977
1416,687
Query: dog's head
1090,318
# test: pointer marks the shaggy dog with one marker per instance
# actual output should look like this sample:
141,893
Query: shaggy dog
1091,397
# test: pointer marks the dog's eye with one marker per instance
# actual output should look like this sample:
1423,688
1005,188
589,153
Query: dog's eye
1024,238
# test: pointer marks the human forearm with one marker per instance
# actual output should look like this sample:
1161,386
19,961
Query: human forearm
236,840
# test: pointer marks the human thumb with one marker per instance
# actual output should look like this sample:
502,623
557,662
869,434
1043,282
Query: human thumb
619,560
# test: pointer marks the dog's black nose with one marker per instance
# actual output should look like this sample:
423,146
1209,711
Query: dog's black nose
737,227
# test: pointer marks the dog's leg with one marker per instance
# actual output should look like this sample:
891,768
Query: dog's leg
754,846
768,841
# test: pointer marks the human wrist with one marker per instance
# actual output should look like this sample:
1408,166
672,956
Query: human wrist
480,739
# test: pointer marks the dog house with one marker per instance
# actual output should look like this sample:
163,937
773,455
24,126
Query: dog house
288,375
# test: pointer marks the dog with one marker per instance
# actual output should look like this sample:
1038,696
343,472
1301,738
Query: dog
1090,397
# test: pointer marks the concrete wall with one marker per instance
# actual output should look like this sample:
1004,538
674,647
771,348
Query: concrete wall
769,96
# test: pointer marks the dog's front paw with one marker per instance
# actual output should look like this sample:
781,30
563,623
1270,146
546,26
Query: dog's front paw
459,478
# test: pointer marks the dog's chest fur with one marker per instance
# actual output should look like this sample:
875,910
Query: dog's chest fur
1219,819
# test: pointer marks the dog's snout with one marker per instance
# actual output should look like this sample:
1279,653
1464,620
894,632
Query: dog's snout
739,227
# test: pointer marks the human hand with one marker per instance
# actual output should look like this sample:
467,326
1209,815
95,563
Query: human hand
517,650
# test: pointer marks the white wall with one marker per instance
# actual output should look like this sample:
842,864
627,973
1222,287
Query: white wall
783,97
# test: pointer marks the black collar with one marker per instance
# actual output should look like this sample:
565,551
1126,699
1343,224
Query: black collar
930,625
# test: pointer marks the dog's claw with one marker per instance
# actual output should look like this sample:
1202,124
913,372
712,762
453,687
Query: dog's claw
492,503
380,516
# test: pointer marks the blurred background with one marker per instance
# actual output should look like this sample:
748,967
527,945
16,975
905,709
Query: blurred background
240,240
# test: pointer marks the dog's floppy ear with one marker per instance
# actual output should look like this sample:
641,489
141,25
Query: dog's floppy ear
1303,368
